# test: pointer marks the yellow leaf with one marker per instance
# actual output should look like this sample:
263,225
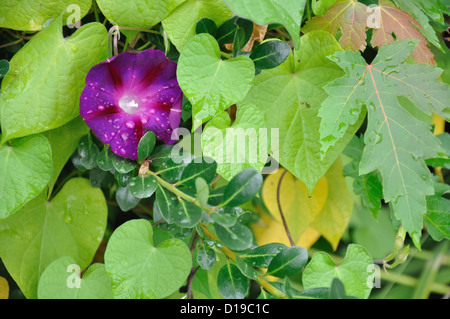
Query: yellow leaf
4,288
326,213
335,216
298,208
268,230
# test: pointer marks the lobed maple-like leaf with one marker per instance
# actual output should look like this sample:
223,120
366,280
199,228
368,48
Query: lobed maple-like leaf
348,16
389,23
396,142
403,26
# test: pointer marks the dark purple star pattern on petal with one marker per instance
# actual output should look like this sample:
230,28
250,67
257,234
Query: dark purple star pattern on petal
129,94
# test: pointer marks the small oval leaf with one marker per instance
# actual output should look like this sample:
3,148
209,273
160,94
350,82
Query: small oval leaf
288,262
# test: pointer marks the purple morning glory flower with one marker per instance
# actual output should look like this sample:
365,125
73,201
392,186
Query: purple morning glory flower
129,94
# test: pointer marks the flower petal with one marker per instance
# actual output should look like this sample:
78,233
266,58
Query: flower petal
130,92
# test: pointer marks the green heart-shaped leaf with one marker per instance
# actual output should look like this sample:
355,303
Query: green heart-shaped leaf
239,146
353,271
181,24
25,169
63,142
140,270
72,224
137,13
290,96
210,83
61,280
42,89
30,15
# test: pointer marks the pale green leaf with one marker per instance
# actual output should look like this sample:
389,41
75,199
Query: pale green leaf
140,270
353,271
32,15
290,96
71,224
63,142
180,24
25,169
241,145
61,280
43,87
289,13
137,13
210,83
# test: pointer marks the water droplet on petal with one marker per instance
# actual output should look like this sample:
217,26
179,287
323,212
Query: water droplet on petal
130,124
124,136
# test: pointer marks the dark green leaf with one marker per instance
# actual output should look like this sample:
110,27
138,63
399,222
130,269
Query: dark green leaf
261,256
237,237
270,54
146,145
125,199
123,178
168,168
246,269
232,284
215,196
105,162
206,25
314,293
166,202
239,41
99,178
337,290
226,216
122,164
143,186
75,158
88,152
288,262
4,68
186,110
242,188
186,214
203,167
206,257
226,32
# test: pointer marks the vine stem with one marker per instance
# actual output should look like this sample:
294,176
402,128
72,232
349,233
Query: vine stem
286,228
171,188
261,280
11,43
114,34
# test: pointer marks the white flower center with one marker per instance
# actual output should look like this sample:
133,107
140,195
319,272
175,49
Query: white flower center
129,103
